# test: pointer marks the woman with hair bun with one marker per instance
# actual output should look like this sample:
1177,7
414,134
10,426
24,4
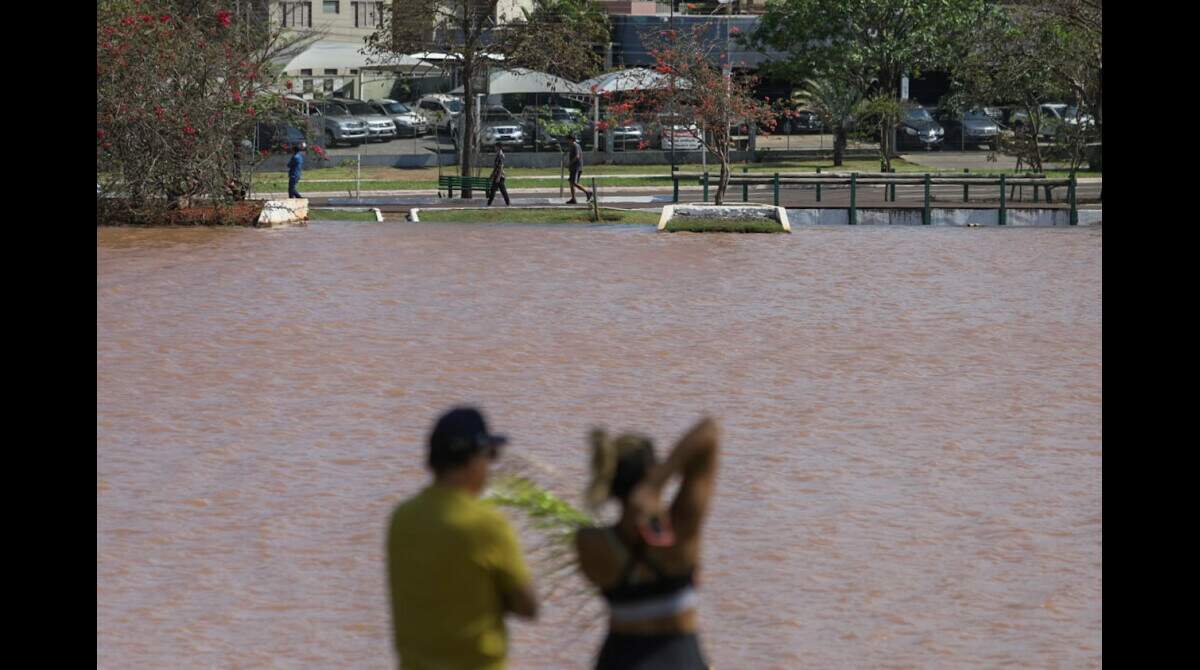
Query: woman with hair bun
645,565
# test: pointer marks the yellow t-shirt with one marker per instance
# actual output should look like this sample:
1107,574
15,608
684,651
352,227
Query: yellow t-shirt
450,557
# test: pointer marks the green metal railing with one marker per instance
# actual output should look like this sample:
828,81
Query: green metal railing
890,181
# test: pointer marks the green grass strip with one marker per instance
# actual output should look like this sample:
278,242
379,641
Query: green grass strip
340,215
692,224
548,215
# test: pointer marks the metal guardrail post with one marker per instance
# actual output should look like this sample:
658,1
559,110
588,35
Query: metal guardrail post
775,184
853,192
925,212
966,187
1001,217
675,187
745,186
705,187
1071,195
892,186
818,186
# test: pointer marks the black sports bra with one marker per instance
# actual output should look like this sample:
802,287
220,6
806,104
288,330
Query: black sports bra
662,584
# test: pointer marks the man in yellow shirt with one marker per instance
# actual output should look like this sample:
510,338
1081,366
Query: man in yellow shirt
454,564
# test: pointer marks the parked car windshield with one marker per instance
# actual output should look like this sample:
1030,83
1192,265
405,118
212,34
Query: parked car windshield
454,105
978,115
917,114
360,108
395,108
1056,110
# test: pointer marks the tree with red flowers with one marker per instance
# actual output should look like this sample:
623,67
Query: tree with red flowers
180,85
698,90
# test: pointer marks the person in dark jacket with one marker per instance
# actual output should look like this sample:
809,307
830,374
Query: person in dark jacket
295,169
575,154
498,178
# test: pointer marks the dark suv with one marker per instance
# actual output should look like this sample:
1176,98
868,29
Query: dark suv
917,128
278,136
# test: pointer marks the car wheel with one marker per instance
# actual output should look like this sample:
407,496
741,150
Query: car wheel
330,140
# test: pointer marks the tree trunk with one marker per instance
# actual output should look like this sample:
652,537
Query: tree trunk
467,123
723,184
839,146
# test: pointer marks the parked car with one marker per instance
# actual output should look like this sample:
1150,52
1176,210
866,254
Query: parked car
681,135
624,137
544,126
803,121
336,122
277,136
917,128
971,128
379,126
408,123
1055,115
440,111
500,126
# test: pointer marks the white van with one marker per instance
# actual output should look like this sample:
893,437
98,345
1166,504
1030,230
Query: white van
440,110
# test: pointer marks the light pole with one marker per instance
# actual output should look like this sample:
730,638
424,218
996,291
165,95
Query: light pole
671,111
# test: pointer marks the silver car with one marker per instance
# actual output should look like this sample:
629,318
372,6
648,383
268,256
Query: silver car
408,123
379,126
337,123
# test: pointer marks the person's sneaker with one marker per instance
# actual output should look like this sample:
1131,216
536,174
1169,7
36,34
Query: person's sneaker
589,196
572,201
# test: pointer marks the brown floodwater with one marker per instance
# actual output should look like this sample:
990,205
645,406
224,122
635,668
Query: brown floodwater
911,465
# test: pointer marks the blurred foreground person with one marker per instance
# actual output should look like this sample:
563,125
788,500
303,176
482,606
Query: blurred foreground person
645,565
454,564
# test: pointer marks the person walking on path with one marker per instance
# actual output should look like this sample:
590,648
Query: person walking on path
498,178
576,169
454,564
645,566
295,169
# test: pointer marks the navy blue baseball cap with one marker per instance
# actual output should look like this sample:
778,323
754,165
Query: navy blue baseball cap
460,434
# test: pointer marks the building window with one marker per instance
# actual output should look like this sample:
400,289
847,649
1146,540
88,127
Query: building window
353,70
329,86
331,70
307,86
297,14
332,7
306,71
368,14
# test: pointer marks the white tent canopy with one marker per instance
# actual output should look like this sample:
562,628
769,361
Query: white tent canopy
633,79
345,55
520,80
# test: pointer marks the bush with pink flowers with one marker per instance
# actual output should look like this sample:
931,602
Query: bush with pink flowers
180,86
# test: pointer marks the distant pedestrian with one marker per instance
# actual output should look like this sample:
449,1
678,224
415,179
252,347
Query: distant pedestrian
498,178
295,169
576,168
454,563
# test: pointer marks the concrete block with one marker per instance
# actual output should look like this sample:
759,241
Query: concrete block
285,212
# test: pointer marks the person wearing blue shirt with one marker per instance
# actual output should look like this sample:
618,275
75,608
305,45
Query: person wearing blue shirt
295,168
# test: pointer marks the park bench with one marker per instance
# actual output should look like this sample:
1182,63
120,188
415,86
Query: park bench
451,182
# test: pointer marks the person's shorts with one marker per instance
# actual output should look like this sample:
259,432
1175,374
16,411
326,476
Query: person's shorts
623,651
576,171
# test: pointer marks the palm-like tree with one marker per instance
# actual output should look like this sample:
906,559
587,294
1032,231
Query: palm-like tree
835,101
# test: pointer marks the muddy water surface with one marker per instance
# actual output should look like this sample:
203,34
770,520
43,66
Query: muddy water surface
911,474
